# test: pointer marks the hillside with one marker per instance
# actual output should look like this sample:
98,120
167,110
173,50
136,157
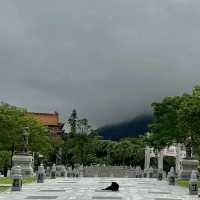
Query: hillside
131,128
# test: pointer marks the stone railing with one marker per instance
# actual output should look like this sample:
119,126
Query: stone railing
111,171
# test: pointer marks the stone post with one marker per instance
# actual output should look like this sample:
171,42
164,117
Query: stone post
17,178
63,172
53,172
48,172
147,158
160,161
147,161
193,184
41,174
9,173
138,172
160,165
171,177
81,171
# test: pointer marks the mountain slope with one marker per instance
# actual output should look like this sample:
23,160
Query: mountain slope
132,128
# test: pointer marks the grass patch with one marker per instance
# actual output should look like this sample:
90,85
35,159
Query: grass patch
3,188
28,180
5,180
185,183
8,180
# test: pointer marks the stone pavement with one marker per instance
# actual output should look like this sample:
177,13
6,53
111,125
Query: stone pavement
89,188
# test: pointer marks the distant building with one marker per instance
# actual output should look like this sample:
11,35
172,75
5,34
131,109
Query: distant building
50,120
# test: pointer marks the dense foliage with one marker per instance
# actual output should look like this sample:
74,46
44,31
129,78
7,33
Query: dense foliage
177,120
87,150
84,146
13,121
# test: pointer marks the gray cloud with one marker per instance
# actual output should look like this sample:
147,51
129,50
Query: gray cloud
108,58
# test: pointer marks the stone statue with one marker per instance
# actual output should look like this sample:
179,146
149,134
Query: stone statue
24,159
25,140
188,147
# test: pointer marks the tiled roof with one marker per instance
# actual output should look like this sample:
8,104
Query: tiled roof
46,118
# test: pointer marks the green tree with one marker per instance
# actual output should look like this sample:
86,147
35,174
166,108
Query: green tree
87,147
73,122
5,160
83,126
79,149
13,121
176,120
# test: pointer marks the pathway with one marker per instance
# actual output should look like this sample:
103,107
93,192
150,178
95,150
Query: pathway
89,188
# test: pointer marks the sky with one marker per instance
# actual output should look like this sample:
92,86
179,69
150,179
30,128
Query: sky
109,59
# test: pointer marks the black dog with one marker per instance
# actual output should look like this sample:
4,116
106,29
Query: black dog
113,187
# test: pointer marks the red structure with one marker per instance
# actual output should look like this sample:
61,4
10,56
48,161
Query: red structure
50,120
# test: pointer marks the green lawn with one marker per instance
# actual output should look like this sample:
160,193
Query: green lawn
185,183
3,188
8,180
29,180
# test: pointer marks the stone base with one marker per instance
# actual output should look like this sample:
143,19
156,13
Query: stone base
17,183
186,168
193,188
25,162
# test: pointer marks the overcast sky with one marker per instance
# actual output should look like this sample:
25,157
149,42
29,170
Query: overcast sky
109,59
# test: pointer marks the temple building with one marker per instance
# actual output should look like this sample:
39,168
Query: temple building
50,120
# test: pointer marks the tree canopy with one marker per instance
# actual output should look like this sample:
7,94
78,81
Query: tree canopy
13,121
176,120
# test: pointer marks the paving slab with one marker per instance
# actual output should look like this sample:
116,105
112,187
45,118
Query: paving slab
90,189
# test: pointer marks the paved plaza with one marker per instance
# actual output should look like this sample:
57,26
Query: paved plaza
90,188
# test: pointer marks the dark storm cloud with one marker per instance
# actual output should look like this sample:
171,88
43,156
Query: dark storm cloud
108,58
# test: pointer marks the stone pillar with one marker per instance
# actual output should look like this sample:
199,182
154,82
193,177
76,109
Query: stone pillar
147,161
41,174
9,173
160,161
53,172
63,171
81,168
147,158
48,172
178,158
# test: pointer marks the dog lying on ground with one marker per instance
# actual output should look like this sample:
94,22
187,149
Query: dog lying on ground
113,187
